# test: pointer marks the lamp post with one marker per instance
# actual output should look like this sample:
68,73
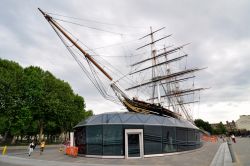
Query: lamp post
229,143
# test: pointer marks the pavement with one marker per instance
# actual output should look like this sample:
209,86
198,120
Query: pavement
52,156
222,156
200,157
242,151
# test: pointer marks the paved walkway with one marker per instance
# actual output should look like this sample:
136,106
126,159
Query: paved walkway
222,156
242,150
52,157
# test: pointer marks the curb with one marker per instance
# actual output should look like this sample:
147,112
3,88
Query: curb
222,156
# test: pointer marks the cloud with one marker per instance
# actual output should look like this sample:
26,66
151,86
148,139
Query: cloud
224,111
218,30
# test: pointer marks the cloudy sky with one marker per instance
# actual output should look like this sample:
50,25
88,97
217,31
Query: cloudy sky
218,30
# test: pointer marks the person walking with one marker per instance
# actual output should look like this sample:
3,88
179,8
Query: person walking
233,138
31,147
42,146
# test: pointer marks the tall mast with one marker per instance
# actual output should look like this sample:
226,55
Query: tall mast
168,85
154,70
56,25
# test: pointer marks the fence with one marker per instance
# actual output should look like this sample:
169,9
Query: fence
209,138
71,151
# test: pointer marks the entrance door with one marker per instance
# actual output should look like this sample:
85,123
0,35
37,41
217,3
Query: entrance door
134,143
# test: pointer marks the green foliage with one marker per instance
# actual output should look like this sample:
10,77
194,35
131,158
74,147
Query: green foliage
204,125
33,101
207,127
220,129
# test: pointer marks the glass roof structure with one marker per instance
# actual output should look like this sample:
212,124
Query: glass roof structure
136,119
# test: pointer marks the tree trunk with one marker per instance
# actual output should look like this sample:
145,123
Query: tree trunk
13,141
41,132
5,136
51,138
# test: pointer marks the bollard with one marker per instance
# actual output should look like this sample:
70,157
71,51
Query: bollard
4,150
229,143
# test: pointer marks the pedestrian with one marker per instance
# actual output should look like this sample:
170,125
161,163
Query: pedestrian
35,143
42,146
223,138
31,147
65,143
233,138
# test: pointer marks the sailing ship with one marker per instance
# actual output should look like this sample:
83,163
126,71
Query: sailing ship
166,96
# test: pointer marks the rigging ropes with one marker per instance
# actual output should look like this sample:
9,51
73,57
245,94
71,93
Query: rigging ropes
98,22
87,26
108,65
93,76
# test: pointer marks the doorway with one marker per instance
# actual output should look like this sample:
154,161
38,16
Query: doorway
134,143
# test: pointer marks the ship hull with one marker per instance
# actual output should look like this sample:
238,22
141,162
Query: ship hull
147,108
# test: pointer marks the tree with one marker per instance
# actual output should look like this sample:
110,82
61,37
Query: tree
33,101
204,125
88,114
35,95
12,107
221,129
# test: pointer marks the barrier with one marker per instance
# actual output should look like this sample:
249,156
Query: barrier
4,150
209,138
71,151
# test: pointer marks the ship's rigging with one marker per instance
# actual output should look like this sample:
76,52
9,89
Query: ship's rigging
166,97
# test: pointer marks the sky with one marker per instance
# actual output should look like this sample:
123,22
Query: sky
218,31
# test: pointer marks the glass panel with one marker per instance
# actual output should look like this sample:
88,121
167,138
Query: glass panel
181,139
113,140
152,139
168,139
191,139
115,119
153,120
94,140
133,145
197,138
132,127
134,119
191,135
80,140
125,117
97,119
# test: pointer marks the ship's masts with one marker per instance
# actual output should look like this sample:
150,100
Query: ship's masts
191,102
181,92
177,80
154,71
55,24
160,55
159,78
159,64
152,32
152,42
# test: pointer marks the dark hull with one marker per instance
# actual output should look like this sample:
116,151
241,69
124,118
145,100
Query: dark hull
147,108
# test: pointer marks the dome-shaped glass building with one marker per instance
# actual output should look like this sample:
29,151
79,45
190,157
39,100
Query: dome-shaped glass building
125,135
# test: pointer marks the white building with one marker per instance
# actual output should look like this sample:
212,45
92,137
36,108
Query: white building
243,122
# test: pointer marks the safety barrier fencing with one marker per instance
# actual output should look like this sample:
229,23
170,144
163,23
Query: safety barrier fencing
71,151
210,138
4,150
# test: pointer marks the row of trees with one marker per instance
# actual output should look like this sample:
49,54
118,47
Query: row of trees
207,127
34,102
